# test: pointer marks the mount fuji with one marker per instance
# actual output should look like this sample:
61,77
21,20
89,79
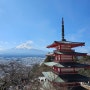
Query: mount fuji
24,49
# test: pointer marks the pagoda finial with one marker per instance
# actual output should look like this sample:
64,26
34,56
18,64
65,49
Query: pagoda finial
63,30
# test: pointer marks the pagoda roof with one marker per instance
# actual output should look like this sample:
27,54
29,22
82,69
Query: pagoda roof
70,53
53,64
74,64
65,77
74,78
73,44
67,64
52,77
50,54
66,53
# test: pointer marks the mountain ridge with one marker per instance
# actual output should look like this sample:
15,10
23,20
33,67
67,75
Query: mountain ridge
23,51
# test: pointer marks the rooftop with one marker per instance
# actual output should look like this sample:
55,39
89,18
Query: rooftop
70,53
53,64
52,77
72,44
65,77
67,64
74,78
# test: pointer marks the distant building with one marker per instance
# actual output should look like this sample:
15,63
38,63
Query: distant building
42,79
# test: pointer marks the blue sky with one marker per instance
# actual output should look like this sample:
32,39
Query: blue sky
39,22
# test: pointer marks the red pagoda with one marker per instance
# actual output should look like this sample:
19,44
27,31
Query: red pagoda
64,67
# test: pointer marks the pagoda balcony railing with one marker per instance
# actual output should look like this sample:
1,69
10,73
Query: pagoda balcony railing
58,73
66,84
64,50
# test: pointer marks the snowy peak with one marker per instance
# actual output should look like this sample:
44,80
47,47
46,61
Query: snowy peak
26,45
24,49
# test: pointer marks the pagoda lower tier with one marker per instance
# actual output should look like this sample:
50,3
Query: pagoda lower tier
65,79
66,67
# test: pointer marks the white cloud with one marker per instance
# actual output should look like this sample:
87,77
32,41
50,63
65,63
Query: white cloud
1,48
42,40
83,49
25,45
79,36
4,42
76,36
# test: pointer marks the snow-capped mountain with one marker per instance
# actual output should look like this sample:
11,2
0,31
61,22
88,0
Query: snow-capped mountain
26,45
23,49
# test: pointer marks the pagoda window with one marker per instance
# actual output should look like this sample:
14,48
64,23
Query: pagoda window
59,47
66,47
53,67
68,70
66,57
56,47
72,57
59,57
58,69
56,58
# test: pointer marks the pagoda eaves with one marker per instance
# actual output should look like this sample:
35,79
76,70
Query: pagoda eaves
70,53
72,44
67,64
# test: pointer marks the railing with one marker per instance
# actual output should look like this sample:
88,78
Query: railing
58,73
64,50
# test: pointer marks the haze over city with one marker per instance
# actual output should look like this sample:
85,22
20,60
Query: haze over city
37,23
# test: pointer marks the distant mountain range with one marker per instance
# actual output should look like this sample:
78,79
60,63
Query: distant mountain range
23,51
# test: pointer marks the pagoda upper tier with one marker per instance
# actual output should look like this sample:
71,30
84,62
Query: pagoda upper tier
66,43
66,53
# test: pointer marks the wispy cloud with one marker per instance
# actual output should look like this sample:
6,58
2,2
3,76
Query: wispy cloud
76,36
4,42
2,48
83,49
79,36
